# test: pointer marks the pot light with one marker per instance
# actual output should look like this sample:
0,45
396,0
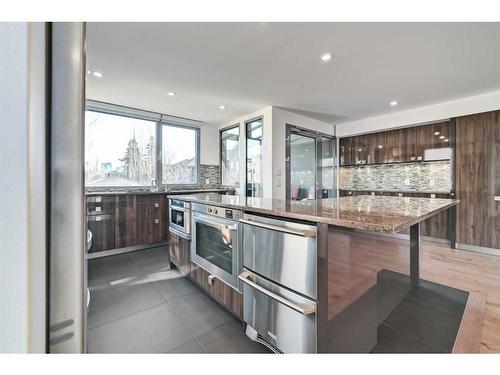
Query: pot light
446,140
171,93
222,107
380,146
393,103
437,133
326,57
97,74
442,137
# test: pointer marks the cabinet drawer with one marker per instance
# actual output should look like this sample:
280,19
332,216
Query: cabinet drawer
99,205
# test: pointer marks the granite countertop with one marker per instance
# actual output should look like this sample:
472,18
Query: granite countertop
168,191
364,212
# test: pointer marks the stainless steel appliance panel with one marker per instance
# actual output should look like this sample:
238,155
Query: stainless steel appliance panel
284,319
215,244
282,251
179,217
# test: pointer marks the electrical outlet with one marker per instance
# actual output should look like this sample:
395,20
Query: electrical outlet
207,181
407,181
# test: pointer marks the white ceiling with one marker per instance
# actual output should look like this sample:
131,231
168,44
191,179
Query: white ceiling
247,66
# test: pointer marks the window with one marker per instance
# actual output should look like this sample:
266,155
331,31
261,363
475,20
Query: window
254,158
180,155
119,150
230,156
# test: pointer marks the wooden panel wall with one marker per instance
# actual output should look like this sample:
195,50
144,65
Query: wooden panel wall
478,179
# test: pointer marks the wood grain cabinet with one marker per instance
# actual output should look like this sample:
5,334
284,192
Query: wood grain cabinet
400,145
478,179
126,221
103,232
151,217
227,296
180,253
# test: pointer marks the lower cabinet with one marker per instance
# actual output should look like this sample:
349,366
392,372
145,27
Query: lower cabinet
179,253
124,220
103,232
227,296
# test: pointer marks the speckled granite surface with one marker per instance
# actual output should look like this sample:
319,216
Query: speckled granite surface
364,212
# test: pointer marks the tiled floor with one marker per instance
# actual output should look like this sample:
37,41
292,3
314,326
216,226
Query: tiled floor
139,305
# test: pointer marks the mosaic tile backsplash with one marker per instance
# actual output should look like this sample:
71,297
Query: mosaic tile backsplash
212,173
432,176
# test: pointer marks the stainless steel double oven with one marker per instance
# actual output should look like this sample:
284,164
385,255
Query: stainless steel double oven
279,283
215,242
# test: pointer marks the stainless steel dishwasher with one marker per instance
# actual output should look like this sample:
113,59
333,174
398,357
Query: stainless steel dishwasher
279,283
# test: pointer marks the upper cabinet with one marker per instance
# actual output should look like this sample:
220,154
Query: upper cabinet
426,142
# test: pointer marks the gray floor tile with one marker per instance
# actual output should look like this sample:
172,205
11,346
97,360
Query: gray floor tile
156,330
192,347
229,338
174,285
112,272
199,313
152,260
111,304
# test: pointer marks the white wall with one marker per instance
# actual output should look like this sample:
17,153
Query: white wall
209,145
281,118
431,113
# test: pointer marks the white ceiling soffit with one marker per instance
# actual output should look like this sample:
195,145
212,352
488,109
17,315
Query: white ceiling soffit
248,66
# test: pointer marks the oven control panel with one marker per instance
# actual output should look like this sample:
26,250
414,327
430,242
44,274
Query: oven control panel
218,211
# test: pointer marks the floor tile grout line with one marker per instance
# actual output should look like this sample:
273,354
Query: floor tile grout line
415,338
127,316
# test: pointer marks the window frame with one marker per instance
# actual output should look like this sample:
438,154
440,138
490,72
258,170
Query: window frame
230,127
160,120
159,174
246,123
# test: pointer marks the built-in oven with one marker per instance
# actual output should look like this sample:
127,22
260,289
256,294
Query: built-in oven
180,218
215,242
279,283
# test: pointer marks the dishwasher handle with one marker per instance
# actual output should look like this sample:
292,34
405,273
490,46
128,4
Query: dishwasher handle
303,308
302,233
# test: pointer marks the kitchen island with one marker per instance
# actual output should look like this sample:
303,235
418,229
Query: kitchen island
368,295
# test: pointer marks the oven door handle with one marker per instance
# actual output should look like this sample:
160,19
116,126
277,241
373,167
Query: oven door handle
215,223
177,208
302,233
303,308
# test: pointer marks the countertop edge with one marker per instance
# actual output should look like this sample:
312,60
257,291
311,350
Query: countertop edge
334,222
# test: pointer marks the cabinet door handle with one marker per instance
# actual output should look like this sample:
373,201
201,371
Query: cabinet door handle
157,221
98,199
157,205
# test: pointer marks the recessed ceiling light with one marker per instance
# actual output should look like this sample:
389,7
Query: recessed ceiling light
171,93
446,140
437,133
222,107
89,71
326,56
380,146
442,137
97,74
360,150
393,103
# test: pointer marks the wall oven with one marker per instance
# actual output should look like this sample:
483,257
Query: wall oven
279,283
215,242
180,218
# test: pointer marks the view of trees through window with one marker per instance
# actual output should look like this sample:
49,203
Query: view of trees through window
119,150
122,151
179,155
